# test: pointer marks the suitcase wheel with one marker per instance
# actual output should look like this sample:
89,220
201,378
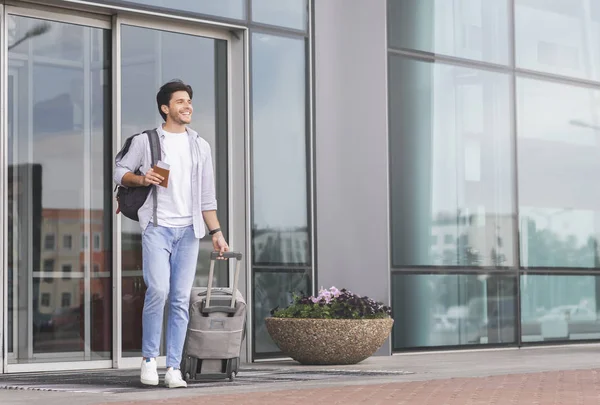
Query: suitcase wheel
232,368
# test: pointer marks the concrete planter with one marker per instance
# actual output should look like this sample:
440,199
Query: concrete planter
329,341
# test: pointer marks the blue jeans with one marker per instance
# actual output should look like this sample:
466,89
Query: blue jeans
169,256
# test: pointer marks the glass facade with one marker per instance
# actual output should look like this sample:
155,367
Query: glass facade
60,153
494,133
493,152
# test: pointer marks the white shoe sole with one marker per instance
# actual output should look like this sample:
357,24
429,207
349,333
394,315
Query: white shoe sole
148,382
176,385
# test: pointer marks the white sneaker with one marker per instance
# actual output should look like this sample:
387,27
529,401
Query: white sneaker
173,379
148,373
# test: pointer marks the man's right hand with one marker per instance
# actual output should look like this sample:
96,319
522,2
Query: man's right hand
134,180
151,177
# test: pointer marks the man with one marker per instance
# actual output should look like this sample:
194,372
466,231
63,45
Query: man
170,250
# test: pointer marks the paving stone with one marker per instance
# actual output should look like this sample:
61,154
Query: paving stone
575,387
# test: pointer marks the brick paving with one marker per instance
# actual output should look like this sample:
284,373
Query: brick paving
577,387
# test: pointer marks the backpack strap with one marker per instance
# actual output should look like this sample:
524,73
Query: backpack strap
155,154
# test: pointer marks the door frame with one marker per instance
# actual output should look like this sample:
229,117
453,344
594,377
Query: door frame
49,14
237,166
238,136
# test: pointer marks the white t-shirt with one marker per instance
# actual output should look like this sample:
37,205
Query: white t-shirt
175,202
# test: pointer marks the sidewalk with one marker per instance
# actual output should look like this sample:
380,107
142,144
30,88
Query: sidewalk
556,387
560,375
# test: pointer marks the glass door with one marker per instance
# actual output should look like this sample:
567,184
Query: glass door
59,200
152,54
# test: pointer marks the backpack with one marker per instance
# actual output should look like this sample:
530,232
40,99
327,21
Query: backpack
131,199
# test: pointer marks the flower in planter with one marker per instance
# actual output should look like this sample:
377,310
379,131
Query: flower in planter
333,304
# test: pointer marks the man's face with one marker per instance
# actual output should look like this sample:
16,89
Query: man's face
180,108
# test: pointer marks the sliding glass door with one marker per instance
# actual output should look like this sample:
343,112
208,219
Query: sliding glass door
151,56
59,200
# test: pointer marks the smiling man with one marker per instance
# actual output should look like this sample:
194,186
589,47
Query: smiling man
170,244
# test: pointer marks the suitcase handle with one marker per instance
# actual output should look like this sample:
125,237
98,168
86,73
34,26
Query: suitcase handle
228,255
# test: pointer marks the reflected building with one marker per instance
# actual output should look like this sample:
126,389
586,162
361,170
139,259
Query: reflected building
72,263
477,243
281,246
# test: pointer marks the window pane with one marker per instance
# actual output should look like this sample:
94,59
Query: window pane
235,9
274,289
450,309
66,300
59,147
289,13
49,242
451,170
558,36
472,29
558,148
280,225
559,307
67,242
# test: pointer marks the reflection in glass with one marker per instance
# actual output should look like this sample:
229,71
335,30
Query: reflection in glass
450,309
558,36
451,170
558,147
274,289
289,13
471,29
280,224
235,9
59,146
559,307
149,59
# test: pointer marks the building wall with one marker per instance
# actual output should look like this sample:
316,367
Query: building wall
351,153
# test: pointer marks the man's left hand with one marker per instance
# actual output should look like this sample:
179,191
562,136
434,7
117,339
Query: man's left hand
219,244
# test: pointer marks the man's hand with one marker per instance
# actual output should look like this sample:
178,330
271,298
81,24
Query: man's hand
151,177
219,244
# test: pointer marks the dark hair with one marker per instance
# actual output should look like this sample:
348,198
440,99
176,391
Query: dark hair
163,97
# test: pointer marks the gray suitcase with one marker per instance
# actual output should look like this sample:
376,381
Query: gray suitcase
216,328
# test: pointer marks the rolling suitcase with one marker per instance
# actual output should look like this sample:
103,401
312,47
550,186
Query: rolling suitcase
216,328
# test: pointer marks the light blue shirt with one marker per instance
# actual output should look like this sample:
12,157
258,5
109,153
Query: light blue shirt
202,176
